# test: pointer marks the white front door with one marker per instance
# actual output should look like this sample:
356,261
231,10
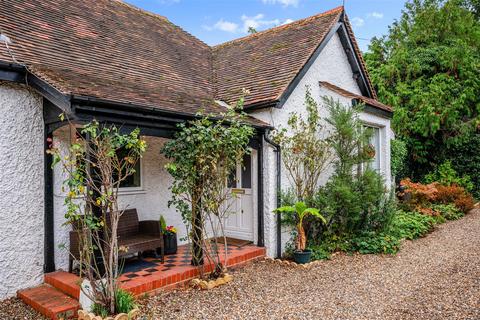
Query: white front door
239,222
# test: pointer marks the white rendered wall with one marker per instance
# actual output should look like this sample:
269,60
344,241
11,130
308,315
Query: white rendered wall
331,66
21,189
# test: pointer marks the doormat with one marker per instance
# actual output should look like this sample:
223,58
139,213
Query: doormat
234,242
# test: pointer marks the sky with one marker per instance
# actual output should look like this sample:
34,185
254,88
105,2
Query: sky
217,21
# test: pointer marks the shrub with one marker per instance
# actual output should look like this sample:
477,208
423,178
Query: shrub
466,160
398,157
410,225
354,198
418,196
448,211
372,242
404,225
446,175
455,194
465,203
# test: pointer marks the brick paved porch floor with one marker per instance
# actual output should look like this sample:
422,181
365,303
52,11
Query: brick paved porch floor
151,274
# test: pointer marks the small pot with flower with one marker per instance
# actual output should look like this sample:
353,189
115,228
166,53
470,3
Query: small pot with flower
298,212
169,237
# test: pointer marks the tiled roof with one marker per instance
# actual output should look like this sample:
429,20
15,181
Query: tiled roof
266,62
110,50
348,94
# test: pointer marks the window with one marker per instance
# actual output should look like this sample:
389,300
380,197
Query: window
375,142
134,180
241,177
247,172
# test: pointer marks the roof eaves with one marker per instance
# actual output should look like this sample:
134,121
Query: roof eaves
359,55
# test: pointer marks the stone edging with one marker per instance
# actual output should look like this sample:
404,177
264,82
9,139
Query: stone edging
85,315
208,285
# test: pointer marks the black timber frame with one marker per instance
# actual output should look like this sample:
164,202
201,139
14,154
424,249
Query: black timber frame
79,109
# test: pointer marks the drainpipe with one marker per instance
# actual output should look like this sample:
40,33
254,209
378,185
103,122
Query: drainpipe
279,189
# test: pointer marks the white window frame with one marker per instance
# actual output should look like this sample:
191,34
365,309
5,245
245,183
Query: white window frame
124,190
380,141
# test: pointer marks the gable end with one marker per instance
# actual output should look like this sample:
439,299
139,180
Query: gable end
349,45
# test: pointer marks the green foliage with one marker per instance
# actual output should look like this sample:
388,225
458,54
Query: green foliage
350,140
199,150
427,69
202,155
124,301
448,211
410,225
373,242
299,212
99,310
288,198
446,175
354,199
305,153
398,157
163,223
404,225
467,160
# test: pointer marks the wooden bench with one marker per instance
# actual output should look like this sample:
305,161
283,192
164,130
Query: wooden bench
133,235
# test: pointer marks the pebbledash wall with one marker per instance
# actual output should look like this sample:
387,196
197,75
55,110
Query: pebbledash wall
331,66
21,188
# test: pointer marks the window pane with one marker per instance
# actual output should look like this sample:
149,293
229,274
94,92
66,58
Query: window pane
247,172
375,141
132,181
232,177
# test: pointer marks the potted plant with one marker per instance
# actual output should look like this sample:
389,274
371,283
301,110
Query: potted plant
169,237
300,211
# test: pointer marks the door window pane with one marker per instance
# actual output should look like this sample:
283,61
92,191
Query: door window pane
232,179
247,172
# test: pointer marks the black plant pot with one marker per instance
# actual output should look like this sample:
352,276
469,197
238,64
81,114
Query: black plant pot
170,242
302,257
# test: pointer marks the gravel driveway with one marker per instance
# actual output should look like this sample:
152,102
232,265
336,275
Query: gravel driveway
437,277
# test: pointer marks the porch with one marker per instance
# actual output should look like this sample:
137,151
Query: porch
58,296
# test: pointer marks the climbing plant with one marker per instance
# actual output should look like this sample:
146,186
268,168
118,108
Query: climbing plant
202,155
98,159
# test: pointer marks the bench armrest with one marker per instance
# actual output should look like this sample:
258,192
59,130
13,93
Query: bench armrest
151,227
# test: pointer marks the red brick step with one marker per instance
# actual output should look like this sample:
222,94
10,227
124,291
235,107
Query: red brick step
67,283
50,302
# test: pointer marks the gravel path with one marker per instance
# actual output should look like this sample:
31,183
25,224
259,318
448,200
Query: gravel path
437,277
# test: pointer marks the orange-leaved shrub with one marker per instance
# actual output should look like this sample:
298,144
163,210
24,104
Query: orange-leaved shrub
420,197
456,195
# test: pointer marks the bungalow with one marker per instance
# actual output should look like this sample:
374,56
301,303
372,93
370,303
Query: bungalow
110,61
